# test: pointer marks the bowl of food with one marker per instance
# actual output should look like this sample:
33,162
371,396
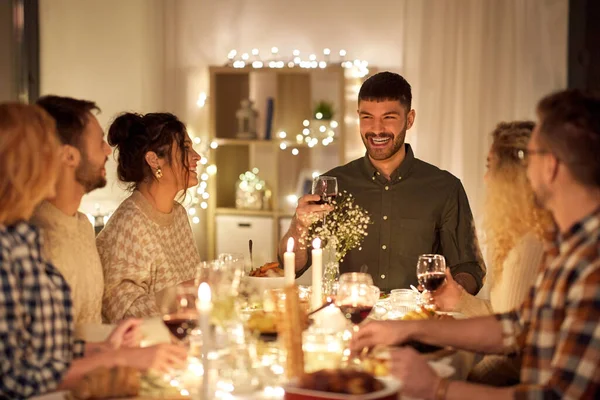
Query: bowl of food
341,384
269,276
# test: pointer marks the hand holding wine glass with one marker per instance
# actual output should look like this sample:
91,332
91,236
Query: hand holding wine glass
431,272
326,187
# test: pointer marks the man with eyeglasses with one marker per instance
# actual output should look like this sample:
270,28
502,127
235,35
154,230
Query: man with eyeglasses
556,330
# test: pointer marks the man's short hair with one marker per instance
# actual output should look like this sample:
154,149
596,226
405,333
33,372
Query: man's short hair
570,128
386,86
71,116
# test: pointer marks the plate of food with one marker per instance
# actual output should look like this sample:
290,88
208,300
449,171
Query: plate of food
377,361
268,276
341,384
264,324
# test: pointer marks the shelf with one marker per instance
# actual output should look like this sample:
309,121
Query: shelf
247,213
253,213
243,142
272,142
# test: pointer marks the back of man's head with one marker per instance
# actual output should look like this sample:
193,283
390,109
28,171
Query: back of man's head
71,116
386,86
570,128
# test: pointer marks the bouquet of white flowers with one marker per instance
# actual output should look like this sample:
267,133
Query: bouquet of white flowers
343,229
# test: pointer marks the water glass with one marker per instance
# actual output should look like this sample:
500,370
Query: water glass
403,301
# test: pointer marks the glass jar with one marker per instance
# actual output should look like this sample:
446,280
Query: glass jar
323,349
402,301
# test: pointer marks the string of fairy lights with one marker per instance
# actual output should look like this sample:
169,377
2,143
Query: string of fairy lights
316,131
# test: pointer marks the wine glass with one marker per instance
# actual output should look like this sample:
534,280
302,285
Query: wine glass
357,277
224,277
181,315
431,273
355,299
326,187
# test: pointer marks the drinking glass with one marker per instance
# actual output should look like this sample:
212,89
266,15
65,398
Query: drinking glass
326,187
181,315
224,277
431,273
356,277
355,299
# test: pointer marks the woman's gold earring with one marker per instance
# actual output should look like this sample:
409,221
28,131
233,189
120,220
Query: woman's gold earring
158,173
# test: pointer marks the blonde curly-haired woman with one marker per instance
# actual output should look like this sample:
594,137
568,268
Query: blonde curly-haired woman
513,227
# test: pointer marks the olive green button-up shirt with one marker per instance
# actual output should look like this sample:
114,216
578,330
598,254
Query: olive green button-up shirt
420,210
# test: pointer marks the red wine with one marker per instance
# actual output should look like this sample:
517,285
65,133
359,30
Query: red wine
326,199
432,281
180,327
356,314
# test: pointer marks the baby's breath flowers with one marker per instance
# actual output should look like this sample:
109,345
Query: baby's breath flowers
342,229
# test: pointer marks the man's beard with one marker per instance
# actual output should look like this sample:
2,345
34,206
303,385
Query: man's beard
88,176
397,144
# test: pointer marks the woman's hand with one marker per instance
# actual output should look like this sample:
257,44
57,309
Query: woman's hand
126,334
448,295
161,358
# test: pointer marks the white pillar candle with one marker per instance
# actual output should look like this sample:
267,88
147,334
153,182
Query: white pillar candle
204,309
317,274
289,263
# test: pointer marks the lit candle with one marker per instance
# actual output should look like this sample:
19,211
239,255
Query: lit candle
204,309
289,263
317,274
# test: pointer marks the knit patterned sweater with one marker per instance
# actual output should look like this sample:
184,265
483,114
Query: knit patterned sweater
69,243
143,252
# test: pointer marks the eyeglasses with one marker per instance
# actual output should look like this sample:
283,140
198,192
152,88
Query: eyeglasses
525,154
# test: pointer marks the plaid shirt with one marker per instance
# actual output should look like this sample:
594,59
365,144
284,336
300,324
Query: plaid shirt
557,329
36,322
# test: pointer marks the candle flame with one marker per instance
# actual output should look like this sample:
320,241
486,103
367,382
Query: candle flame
290,244
204,295
316,243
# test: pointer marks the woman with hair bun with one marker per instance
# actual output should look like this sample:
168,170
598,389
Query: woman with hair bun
147,244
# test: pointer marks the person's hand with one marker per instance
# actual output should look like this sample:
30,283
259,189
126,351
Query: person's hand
126,334
418,379
161,358
308,212
384,333
448,295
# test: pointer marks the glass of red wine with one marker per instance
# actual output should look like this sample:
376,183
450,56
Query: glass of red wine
326,187
355,298
181,317
431,273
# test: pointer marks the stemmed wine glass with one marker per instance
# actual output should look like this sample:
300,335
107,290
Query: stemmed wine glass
181,315
431,273
356,297
326,187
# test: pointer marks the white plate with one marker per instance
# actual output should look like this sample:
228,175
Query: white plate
260,284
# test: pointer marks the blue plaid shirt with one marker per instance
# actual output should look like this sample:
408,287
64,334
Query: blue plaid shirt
36,317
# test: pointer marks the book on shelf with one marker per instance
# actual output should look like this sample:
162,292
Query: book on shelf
269,118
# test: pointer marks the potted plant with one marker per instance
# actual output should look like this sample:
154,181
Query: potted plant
323,111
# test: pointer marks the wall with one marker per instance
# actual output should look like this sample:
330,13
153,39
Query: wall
471,63
108,51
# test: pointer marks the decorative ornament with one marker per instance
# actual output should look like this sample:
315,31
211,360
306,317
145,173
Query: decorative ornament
158,173
246,121
252,192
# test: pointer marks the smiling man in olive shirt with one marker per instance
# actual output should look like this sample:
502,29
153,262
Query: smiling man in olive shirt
416,208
